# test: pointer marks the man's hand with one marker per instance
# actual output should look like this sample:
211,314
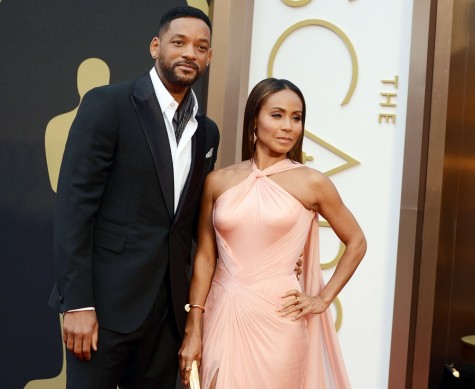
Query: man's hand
80,333
298,266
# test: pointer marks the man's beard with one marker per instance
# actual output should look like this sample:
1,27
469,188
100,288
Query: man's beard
168,72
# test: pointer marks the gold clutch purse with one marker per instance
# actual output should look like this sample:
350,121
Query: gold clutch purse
194,376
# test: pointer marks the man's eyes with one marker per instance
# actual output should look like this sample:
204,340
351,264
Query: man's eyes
179,42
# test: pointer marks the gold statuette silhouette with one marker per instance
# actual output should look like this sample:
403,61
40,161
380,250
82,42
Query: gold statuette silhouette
91,73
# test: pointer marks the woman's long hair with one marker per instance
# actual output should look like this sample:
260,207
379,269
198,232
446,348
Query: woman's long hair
256,99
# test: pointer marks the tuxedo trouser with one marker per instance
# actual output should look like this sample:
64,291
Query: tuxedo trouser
146,358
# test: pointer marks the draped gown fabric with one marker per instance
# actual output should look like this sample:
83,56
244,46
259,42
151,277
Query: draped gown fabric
261,230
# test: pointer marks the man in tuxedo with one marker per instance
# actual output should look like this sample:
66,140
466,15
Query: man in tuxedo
128,197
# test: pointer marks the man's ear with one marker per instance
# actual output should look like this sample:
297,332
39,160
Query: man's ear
210,55
155,47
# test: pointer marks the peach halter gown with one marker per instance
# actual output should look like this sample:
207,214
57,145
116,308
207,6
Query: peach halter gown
261,230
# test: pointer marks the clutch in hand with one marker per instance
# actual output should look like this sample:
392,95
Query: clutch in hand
194,376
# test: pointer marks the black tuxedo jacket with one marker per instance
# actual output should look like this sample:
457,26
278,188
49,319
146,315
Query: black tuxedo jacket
116,232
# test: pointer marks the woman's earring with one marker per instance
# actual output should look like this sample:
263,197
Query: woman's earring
254,138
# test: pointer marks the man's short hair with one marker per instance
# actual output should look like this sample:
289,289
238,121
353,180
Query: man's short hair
182,12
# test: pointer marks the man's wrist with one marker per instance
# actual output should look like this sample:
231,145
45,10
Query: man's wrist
79,310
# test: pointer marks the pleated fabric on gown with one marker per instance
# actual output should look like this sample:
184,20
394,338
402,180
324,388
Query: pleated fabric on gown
261,230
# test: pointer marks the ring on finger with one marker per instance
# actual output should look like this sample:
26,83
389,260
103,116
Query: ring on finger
188,368
298,299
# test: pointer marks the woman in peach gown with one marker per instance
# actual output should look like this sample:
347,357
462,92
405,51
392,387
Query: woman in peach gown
252,324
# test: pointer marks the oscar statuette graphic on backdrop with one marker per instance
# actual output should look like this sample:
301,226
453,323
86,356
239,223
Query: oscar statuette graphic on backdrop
91,73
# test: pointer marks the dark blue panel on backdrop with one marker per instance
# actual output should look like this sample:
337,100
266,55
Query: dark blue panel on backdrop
42,43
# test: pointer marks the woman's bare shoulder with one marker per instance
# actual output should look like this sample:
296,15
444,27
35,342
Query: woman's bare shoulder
222,179
306,184
310,175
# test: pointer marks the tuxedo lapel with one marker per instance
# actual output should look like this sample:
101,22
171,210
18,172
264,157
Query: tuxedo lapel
151,118
198,143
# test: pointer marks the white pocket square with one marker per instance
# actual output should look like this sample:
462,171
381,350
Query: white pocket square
209,153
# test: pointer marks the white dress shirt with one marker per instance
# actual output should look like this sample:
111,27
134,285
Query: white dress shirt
181,153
